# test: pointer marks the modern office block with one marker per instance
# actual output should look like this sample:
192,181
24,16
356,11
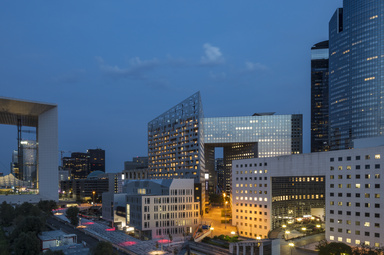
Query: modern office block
356,43
258,136
81,164
44,117
181,142
270,192
319,96
154,208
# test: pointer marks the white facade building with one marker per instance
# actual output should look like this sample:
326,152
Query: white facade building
154,208
44,117
349,180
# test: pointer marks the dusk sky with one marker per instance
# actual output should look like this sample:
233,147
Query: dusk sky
113,66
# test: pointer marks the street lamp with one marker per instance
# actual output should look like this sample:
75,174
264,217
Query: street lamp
211,231
286,234
93,195
225,213
291,245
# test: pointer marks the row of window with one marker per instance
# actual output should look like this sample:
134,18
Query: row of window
358,214
250,165
252,172
357,223
349,158
366,195
357,167
357,242
367,205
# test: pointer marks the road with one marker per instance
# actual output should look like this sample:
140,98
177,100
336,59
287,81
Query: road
81,236
285,249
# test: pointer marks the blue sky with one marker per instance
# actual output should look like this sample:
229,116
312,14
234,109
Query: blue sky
112,66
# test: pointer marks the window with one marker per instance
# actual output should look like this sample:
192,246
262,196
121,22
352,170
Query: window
377,166
357,167
349,158
367,157
357,157
377,156
367,166
340,159
332,159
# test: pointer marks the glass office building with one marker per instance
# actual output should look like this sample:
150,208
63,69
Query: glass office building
181,142
258,136
319,96
356,64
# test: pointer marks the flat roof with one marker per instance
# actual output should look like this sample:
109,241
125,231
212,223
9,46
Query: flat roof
12,110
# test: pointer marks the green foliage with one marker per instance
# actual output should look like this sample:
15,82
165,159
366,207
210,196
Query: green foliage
4,244
26,243
47,206
104,248
27,209
72,215
7,214
28,224
333,248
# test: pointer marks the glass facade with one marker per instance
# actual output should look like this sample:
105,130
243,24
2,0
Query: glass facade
356,40
175,146
319,97
275,134
181,142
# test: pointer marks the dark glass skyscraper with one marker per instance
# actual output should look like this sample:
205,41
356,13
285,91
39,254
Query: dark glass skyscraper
319,97
356,64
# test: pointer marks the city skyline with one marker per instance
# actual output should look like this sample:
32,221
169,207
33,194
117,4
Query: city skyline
109,79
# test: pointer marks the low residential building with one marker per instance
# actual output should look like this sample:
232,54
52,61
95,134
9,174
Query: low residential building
154,208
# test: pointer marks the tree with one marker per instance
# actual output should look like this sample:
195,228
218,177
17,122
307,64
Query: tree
26,243
104,248
47,206
27,209
28,224
7,214
333,248
72,215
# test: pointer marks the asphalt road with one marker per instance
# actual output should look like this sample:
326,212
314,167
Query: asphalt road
81,236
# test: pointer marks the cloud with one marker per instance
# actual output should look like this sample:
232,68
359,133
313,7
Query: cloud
217,76
212,55
70,77
252,67
136,69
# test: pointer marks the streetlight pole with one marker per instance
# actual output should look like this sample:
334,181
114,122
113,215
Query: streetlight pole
93,195
291,245
212,231
225,214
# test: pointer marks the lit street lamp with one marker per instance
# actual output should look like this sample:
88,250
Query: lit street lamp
286,234
211,231
93,195
291,245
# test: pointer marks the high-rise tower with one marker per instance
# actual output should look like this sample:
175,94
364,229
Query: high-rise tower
319,97
356,64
